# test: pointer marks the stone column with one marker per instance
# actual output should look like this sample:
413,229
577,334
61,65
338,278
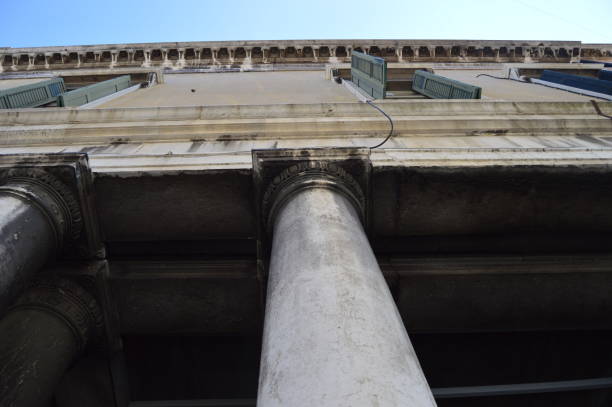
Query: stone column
332,334
37,212
42,335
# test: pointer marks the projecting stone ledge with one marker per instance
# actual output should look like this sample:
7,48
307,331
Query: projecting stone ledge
177,55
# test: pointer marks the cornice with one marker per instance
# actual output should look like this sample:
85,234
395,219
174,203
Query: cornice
67,117
271,43
198,54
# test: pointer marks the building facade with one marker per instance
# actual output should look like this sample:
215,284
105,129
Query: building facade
239,226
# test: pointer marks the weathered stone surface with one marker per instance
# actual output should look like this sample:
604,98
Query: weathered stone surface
430,201
187,297
179,207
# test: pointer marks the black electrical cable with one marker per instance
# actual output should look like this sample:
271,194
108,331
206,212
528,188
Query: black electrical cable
598,110
390,121
499,77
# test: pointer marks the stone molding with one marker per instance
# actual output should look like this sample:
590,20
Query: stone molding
49,194
50,128
307,175
68,301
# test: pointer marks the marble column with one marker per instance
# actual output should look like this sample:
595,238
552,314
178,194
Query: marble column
332,334
37,212
42,335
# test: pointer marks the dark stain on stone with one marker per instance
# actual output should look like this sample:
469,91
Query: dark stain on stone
195,146
224,137
117,141
94,149
497,132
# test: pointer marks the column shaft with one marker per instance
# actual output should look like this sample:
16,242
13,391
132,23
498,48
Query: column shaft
37,212
36,349
41,337
27,239
333,335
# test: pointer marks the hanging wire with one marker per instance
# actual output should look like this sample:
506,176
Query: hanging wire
598,110
499,77
390,121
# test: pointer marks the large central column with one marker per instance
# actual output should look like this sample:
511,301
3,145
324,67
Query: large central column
332,335
37,212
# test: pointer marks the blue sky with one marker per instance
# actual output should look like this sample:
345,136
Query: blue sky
61,22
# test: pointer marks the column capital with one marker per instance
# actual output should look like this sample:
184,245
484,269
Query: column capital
50,195
60,185
280,173
306,175
68,301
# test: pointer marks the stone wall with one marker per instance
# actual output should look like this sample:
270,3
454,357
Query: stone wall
178,55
